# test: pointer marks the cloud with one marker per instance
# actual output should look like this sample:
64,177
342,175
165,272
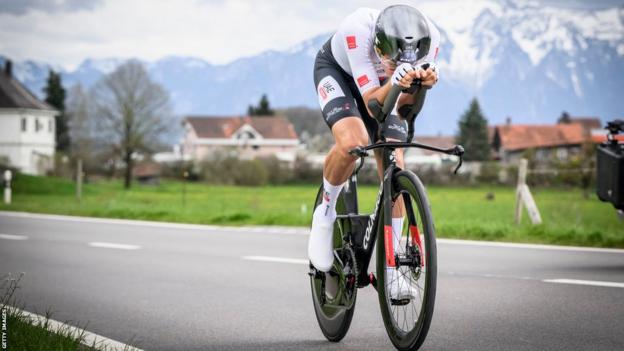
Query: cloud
67,32
21,7
218,31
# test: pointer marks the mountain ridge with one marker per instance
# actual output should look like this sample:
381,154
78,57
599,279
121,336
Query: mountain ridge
519,59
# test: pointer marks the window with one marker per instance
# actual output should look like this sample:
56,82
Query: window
50,125
37,125
23,124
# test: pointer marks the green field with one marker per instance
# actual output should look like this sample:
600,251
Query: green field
459,212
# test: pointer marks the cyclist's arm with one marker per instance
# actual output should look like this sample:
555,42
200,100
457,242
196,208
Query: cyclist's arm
415,101
356,42
378,93
429,78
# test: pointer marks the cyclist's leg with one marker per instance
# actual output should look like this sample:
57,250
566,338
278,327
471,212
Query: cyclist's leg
349,132
337,96
341,115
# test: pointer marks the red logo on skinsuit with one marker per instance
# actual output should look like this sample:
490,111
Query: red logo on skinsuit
363,80
351,42
322,93
436,53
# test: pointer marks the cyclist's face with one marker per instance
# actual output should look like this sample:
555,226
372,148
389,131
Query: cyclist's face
388,64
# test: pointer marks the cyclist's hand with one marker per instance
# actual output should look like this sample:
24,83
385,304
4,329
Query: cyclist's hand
403,75
429,76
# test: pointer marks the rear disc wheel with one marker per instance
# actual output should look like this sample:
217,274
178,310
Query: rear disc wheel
333,321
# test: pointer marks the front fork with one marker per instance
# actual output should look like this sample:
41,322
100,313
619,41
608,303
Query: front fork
391,258
389,164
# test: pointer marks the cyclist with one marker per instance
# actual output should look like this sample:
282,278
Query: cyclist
371,51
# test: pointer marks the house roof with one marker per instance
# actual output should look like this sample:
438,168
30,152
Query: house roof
588,123
521,137
224,127
14,95
443,142
146,169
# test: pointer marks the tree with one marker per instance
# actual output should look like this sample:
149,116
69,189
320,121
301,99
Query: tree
473,133
564,118
80,123
131,112
263,108
55,96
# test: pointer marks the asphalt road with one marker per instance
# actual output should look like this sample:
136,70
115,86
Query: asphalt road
190,288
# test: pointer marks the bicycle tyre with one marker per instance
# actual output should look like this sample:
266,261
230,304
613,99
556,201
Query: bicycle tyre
334,323
411,339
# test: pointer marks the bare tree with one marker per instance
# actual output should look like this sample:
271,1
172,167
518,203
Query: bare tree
131,112
81,128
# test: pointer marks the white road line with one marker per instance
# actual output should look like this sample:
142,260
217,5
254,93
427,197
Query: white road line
172,225
276,259
13,237
585,282
289,231
114,246
101,342
527,246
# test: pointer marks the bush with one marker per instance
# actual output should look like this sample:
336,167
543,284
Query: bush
278,171
489,173
233,171
305,172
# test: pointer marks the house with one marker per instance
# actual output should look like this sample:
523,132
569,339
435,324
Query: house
27,129
422,157
589,124
243,137
510,141
147,172
599,135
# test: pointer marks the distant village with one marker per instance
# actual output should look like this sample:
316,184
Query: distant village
28,138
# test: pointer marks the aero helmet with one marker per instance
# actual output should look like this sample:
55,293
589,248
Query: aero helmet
402,34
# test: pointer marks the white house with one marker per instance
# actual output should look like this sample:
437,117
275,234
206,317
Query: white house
27,130
244,137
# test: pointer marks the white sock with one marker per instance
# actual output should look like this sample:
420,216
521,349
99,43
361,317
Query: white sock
330,195
320,243
397,231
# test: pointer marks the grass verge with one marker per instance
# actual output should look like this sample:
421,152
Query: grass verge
23,332
569,217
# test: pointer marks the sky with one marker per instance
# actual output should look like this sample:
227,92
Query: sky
66,32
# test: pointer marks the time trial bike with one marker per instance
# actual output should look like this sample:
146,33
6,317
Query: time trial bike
413,264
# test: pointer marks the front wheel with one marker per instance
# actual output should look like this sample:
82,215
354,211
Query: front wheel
407,291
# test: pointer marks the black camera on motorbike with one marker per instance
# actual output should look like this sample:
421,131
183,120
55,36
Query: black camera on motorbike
610,172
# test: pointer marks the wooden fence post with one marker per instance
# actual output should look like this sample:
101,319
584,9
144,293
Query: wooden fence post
524,196
7,186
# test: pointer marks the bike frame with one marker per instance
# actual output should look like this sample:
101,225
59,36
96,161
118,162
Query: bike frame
364,250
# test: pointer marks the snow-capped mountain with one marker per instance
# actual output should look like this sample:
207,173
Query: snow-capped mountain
520,59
